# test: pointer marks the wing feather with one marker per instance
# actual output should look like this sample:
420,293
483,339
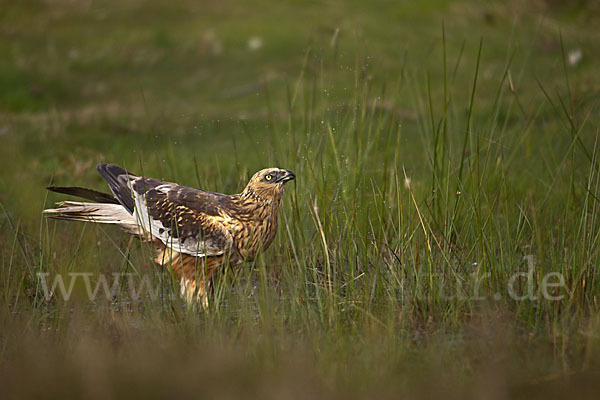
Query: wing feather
188,220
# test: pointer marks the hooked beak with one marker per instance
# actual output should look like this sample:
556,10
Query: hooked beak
287,176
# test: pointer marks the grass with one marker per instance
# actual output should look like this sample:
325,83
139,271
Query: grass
446,156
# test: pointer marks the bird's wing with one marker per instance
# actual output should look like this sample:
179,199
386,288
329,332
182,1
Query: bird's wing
188,220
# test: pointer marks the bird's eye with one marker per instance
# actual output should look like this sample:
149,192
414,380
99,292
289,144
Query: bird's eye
268,177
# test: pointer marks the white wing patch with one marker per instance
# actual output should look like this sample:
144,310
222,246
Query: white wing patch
192,245
163,188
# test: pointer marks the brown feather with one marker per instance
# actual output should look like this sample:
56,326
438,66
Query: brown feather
194,232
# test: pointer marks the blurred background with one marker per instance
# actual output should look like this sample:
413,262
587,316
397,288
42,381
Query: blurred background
388,99
89,81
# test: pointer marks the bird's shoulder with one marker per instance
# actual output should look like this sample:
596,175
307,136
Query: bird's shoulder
192,208
169,195
186,219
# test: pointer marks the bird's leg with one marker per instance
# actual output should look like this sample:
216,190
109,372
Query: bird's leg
192,287
195,273
196,282
194,292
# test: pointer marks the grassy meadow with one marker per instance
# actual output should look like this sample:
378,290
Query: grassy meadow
442,238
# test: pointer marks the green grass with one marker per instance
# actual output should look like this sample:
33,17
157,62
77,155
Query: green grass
440,149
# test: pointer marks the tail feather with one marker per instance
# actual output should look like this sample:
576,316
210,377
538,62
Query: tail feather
84,193
104,213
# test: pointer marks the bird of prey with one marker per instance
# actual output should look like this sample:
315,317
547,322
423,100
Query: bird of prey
194,232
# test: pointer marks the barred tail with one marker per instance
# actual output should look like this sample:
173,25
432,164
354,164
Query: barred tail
104,213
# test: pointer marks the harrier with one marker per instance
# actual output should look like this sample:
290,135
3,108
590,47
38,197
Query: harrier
194,232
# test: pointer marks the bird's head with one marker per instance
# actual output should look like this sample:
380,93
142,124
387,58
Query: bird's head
267,184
